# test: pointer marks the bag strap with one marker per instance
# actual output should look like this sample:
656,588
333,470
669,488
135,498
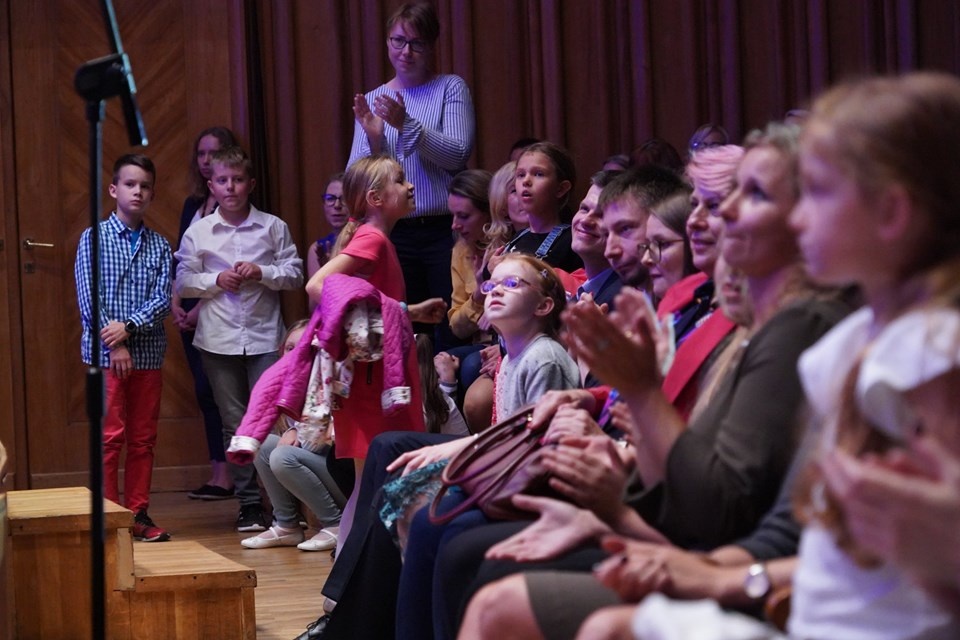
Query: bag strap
544,248
484,441
513,241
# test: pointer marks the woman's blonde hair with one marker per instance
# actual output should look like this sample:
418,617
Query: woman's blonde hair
367,174
500,229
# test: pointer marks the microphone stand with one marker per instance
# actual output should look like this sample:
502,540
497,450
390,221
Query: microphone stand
96,81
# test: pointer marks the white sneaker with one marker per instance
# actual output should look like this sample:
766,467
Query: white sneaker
324,540
274,537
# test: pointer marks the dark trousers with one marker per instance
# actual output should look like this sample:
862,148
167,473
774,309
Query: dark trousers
212,426
462,570
366,575
424,247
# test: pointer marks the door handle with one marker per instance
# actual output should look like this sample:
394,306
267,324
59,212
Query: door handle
28,243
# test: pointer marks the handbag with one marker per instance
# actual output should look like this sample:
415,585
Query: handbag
504,460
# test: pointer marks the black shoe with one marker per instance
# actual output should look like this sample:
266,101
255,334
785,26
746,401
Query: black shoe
315,629
252,518
211,492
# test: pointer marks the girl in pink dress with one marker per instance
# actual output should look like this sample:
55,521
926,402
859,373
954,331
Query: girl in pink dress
377,195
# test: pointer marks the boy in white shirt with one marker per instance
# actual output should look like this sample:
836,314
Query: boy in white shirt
237,260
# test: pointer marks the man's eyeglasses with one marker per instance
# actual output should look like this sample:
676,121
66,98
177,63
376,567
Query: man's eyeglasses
399,42
330,199
655,248
509,283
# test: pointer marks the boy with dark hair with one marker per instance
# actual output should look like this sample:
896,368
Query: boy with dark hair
237,259
134,299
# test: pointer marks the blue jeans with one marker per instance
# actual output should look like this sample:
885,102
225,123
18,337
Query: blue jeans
291,473
232,378
418,595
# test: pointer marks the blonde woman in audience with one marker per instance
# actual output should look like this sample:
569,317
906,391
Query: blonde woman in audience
709,482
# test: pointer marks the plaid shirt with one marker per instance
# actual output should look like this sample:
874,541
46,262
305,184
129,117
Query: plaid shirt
134,285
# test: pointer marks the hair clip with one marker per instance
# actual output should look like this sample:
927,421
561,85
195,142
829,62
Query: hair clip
543,273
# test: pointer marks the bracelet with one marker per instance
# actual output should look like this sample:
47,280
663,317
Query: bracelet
403,305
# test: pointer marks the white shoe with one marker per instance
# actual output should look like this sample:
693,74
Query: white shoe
325,539
274,537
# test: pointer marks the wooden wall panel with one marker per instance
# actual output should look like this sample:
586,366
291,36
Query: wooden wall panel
180,56
598,77
12,410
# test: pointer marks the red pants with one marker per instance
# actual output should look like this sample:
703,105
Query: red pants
133,408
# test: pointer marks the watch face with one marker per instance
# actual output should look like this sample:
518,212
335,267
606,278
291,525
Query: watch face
757,583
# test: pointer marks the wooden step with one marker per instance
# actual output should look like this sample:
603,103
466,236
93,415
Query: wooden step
184,590
153,590
59,510
49,536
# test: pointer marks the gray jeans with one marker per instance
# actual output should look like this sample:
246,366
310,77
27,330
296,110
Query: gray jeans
232,378
290,474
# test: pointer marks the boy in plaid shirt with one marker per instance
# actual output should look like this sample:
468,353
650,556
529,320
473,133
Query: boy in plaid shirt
134,299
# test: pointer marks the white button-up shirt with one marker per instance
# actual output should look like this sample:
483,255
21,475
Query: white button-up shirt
249,321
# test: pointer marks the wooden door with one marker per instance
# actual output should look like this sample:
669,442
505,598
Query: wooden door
180,51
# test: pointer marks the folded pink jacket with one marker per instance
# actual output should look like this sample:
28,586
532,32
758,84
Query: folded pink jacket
282,388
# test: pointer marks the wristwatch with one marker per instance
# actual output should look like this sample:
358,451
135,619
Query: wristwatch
756,584
130,327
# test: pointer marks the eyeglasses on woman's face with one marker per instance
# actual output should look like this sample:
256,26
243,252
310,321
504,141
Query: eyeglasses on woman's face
330,199
656,248
399,42
509,283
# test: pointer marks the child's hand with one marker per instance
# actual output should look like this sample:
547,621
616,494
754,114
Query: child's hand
230,280
289,437
248,271
429,311
483,322
115,333
190,320
121,363
447,367
179,315
490,359
495,259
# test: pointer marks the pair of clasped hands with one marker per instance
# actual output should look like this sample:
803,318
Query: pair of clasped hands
233,278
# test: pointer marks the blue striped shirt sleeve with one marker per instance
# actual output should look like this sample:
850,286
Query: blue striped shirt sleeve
435,142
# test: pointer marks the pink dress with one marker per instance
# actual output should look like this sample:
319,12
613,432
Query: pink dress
361,418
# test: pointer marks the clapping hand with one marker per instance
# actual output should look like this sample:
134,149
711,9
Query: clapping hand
619,349
371,123
390,110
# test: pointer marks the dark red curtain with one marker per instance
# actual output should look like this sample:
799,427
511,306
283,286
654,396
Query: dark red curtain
599,77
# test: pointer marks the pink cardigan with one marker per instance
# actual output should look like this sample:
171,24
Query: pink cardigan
282,388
